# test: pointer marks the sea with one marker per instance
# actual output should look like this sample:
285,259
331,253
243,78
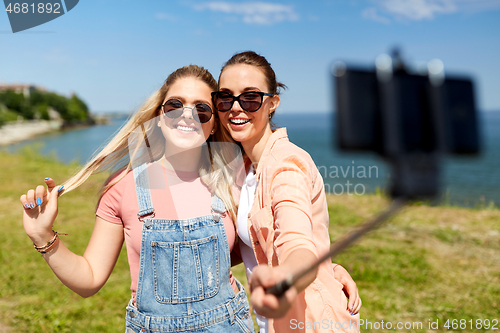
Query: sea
465,181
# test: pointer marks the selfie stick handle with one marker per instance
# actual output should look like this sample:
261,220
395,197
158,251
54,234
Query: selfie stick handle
280,288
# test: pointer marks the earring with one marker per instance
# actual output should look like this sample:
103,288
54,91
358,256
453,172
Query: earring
212,131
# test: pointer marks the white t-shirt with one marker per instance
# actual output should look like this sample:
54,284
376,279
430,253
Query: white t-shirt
246,201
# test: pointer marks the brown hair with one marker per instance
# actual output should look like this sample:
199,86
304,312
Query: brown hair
253,59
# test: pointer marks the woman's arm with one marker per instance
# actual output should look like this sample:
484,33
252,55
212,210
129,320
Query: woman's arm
291,196
85,274
291,201
350,288
264,276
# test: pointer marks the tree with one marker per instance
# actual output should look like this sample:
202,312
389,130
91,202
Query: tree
71,109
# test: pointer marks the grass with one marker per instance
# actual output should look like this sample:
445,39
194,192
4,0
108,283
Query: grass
32,299
427,264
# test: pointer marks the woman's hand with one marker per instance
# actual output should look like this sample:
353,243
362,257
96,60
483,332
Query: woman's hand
40,211
85,274
350,289
268,305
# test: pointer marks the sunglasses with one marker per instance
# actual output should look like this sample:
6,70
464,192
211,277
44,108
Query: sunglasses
173,108
250,101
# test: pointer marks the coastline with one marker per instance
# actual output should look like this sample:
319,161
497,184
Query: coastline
19,131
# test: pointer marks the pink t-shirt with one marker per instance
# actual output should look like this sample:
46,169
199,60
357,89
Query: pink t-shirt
186,197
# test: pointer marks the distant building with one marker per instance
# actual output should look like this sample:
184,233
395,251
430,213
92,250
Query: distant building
26,89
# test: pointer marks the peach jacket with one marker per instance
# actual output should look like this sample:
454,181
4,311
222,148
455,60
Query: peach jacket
290,212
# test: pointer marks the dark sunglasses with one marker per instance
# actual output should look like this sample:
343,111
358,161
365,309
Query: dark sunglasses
250,101
173,108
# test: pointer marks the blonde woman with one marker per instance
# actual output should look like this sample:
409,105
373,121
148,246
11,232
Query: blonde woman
173,207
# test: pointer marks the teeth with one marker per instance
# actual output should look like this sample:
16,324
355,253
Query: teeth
185,128
239,121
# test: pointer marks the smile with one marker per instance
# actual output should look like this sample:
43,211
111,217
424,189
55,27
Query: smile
185,128
239,121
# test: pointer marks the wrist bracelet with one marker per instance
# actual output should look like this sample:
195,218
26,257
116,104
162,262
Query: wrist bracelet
51,244
335,267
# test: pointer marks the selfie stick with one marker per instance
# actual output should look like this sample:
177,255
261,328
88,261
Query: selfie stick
280,288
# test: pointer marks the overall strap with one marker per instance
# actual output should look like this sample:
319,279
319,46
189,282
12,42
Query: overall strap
143,191
218,207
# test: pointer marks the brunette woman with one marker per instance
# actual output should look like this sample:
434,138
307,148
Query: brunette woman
282,215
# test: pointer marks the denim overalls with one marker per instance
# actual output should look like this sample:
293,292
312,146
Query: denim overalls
184,270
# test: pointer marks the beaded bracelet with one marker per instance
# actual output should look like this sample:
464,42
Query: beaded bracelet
51,244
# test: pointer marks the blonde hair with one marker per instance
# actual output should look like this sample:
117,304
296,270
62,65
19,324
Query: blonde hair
217,172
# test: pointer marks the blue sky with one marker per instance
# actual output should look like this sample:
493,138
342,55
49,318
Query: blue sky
113,54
